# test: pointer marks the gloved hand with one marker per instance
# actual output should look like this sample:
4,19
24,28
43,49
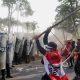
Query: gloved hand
48,29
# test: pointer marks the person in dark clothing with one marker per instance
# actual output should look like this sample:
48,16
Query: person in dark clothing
31,50
24,51
25,55
66,52
77,63
71,49
16,51
78,45
77,68
72,45
51,58
45,77
7,72
3,74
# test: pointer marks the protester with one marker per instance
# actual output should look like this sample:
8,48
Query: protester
71,50
78,45
52,59
77,62
66,52
75,55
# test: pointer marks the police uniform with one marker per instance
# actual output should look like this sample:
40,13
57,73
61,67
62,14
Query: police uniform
3,39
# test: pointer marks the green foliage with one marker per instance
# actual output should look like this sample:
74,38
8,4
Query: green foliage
4,22
31,25
9,1
20,5
63,10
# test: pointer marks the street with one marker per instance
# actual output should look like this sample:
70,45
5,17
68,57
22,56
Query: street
33,71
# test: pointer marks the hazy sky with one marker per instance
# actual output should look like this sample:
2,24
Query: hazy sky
44,12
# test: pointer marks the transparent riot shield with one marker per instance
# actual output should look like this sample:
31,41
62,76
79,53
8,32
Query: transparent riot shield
3,38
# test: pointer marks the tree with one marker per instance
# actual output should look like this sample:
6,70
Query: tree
21,6
31,26
64,9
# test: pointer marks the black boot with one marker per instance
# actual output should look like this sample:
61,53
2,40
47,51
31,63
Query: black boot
3,74
8,71
27,59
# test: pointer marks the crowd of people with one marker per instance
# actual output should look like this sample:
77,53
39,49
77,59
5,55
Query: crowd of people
21,50
52,57
71,52
14,51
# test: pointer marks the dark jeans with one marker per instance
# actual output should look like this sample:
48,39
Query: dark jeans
77,69
70,62
45,77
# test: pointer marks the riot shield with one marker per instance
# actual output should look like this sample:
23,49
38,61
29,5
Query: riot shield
3,38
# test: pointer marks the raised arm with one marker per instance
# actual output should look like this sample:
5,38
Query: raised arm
45,39
40,48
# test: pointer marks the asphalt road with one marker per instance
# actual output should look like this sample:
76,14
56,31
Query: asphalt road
33,71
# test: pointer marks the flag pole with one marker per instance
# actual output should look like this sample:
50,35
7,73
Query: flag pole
61,21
